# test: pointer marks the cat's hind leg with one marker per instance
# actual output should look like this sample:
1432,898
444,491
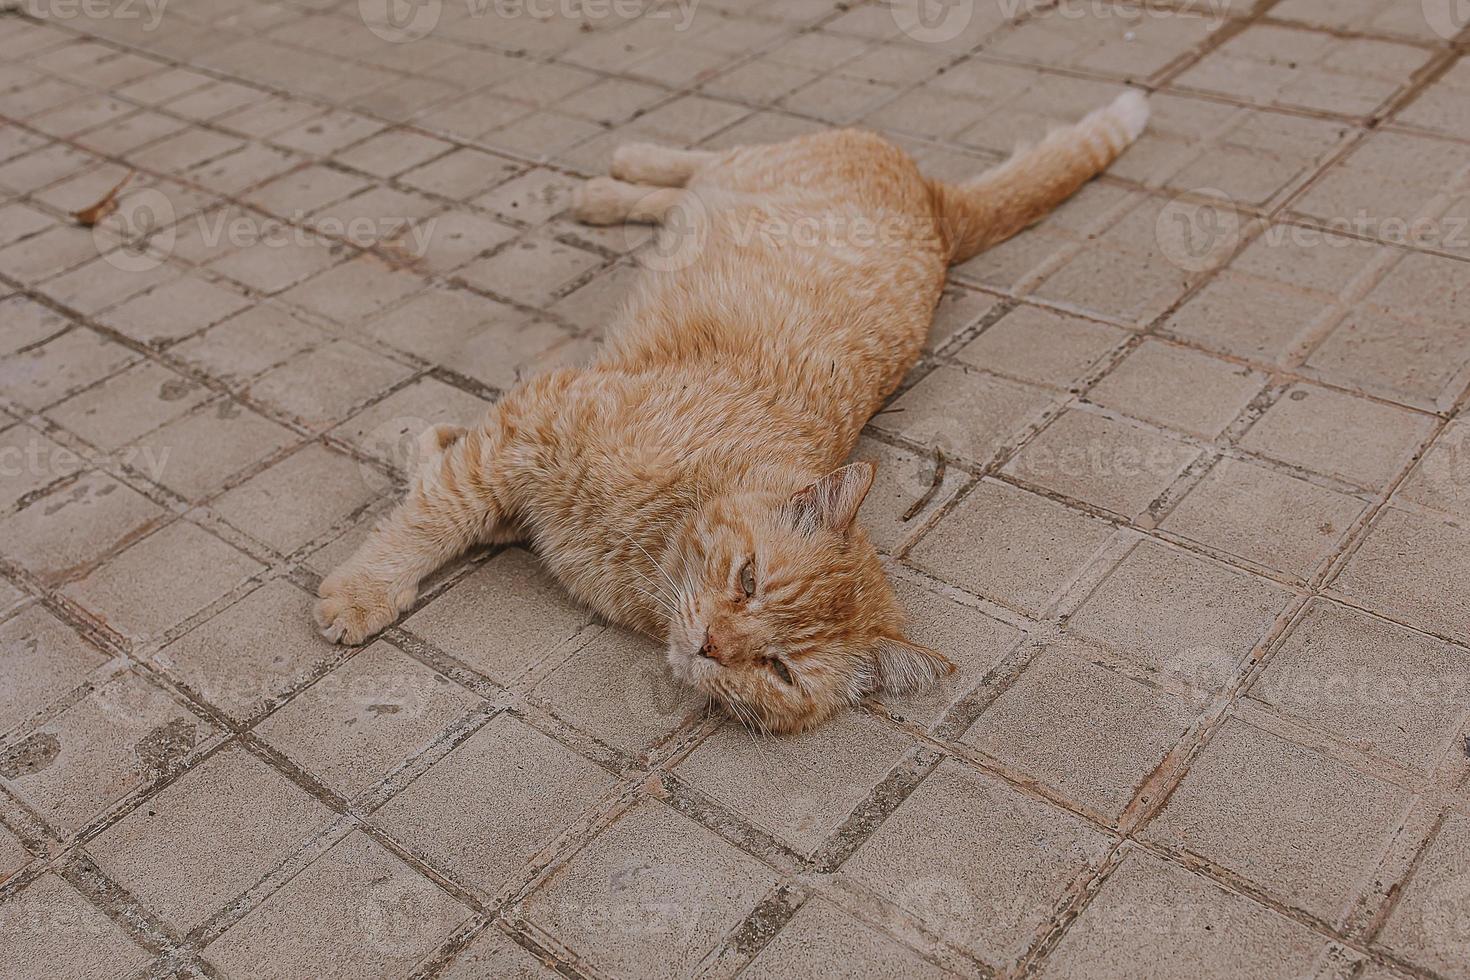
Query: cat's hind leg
992,207
605,201
450,508
662,166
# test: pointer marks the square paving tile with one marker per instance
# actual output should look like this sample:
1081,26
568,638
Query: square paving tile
103,283
973,642
392,152
49,929
491,954
248,343
44,660
29,323
77,522
1358,440
454,238
1426,925
247,656
1107,42
13,855
503,618
388,429
273,264
1041,346
357,723
1441,480
353,290
489,806
1441,107
302,191
1184,926
1088,283
1011,546
902,481
651,895
531,198
136,598
40,376
1244,316
617,688
1283,66
356,910
1231,506
174,310
123,735
30,462
298,498
1414,361
1111,464
42,256
360,374
799,789
1413,567
197,454
993,851
824,943
1087,732
1182,389
459,174
530,271
1305,827
967,414
1176,613
1371,683
208,837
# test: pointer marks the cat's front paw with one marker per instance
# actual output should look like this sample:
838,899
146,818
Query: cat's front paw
353,606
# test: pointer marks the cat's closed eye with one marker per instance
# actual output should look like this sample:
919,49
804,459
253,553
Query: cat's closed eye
782,671
747,578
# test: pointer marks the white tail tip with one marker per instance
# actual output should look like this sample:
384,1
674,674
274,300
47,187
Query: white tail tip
1131,110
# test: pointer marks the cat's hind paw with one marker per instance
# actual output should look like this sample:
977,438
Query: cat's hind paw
353,607
603,201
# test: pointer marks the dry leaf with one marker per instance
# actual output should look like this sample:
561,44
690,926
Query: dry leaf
90,216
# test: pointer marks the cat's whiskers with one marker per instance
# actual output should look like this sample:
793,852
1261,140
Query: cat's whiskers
657,592
664,603
668,600
661,570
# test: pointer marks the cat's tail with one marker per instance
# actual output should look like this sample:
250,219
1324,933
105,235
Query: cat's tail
990,208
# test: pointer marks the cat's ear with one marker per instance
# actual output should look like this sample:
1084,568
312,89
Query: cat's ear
904,666
833,501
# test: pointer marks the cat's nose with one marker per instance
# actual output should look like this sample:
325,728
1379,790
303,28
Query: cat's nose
708,649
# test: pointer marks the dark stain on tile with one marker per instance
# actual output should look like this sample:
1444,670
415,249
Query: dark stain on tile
164,749
30,756
173,390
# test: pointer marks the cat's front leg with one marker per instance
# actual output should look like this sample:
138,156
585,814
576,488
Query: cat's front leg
450,508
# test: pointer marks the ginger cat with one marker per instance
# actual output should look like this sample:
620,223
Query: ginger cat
689,482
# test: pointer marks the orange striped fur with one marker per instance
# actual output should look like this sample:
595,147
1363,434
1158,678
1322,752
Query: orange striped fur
689,483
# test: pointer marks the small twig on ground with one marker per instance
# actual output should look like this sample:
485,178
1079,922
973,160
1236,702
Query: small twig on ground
88,217
938,478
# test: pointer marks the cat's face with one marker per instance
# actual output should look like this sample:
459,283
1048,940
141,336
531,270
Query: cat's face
783,611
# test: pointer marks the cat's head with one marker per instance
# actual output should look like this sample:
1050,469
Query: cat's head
784,613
